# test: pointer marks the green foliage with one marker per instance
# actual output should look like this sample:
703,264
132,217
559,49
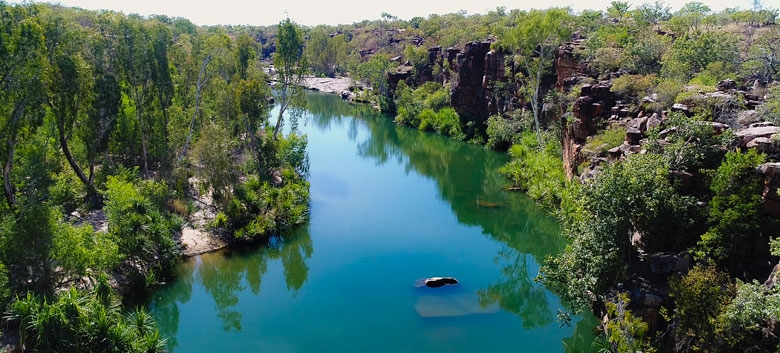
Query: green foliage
770,111
625,332
735,216
445,122
374,73
264,205
699,298
80,251
604,140
753,311
693,52
291,65
144,231
502,131
214,155
5,286
537,168
83,322
633,197
694,144
427,108
327,54
666,91
634,85
714,73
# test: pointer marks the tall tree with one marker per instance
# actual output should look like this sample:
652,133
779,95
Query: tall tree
536,40
325,52
290,65
69,95
134,55
161,78
21,83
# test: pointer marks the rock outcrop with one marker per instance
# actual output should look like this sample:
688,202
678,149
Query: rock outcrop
471,93
468,95
771,200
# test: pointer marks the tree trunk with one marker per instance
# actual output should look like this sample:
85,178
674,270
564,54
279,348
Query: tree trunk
199,88
8,186
139,111
283,103
91,191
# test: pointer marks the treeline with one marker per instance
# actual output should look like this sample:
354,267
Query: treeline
116,121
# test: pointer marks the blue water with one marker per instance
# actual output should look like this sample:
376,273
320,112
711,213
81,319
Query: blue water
390,205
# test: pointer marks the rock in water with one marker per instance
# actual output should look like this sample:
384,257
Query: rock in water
435,282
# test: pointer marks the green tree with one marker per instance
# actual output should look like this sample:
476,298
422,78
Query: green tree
326,52
134,55
290,67
736,219
536,40
699,297
22,91
70,93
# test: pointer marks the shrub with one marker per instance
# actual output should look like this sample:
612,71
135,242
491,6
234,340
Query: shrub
770,111
754,310
536,166
624,332
144,231
735,216
79,321
607,60
267,203
633,197
501,132
666,91
714,73
633,85
699,297
5,287
611,137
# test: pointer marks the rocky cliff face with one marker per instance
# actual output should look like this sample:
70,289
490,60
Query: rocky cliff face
476,68
468,96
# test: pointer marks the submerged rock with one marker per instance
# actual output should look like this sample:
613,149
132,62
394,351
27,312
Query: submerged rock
452,306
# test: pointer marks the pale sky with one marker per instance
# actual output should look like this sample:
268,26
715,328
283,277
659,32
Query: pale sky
314,12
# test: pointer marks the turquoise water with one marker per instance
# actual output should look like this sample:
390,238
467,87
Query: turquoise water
390,206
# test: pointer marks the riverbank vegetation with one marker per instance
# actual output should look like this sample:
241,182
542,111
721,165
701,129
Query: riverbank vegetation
116,129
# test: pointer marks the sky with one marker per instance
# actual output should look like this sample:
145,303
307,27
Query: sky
314,12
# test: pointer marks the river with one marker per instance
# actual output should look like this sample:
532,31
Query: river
390,205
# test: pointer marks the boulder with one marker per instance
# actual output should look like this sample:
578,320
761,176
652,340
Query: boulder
679,107
774,276
752,133
654,121
685,179
727,85
633,135
762,144
771,200
668,263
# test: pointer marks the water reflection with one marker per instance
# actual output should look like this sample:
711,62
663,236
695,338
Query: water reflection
509,218
353,228
224,281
